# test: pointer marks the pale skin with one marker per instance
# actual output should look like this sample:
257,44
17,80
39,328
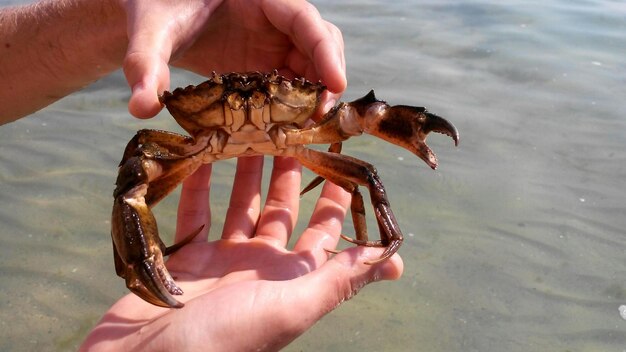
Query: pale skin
245,290
69,44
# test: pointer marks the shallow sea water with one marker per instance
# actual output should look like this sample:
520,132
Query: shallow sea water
516,243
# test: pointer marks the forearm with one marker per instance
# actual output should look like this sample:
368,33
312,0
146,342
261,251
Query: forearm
53,48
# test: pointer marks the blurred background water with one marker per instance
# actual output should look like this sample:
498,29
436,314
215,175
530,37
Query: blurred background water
516,243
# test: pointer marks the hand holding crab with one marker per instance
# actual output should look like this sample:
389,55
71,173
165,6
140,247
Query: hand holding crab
247,281
234,35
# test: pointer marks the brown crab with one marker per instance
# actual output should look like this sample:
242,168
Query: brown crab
239,114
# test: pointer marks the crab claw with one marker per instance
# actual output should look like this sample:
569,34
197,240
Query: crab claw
403,125
138,250
151,281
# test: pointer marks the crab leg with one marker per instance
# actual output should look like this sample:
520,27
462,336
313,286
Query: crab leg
138,254
171,145
349,173
334,148
406,126
143,181
147,277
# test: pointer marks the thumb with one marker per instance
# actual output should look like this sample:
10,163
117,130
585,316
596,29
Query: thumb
343,276
145,65
147,75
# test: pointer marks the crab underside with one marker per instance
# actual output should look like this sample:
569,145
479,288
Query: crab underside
239,114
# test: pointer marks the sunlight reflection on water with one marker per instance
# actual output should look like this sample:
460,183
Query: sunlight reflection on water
515,243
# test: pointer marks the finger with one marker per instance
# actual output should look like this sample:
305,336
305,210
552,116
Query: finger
280,212
339,45
245,200
298,63
335,282
313,37
350,273
325,224
148,76
332,96
353,273
193,209
145,63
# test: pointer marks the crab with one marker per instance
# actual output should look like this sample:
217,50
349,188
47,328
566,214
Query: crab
243,114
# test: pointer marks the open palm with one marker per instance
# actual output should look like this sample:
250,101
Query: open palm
247,291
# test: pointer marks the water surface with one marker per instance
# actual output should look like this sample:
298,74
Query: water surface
516,243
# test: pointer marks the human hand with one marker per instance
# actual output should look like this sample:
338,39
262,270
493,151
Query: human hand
222,36
246,291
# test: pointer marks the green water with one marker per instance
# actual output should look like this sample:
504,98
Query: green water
516,243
